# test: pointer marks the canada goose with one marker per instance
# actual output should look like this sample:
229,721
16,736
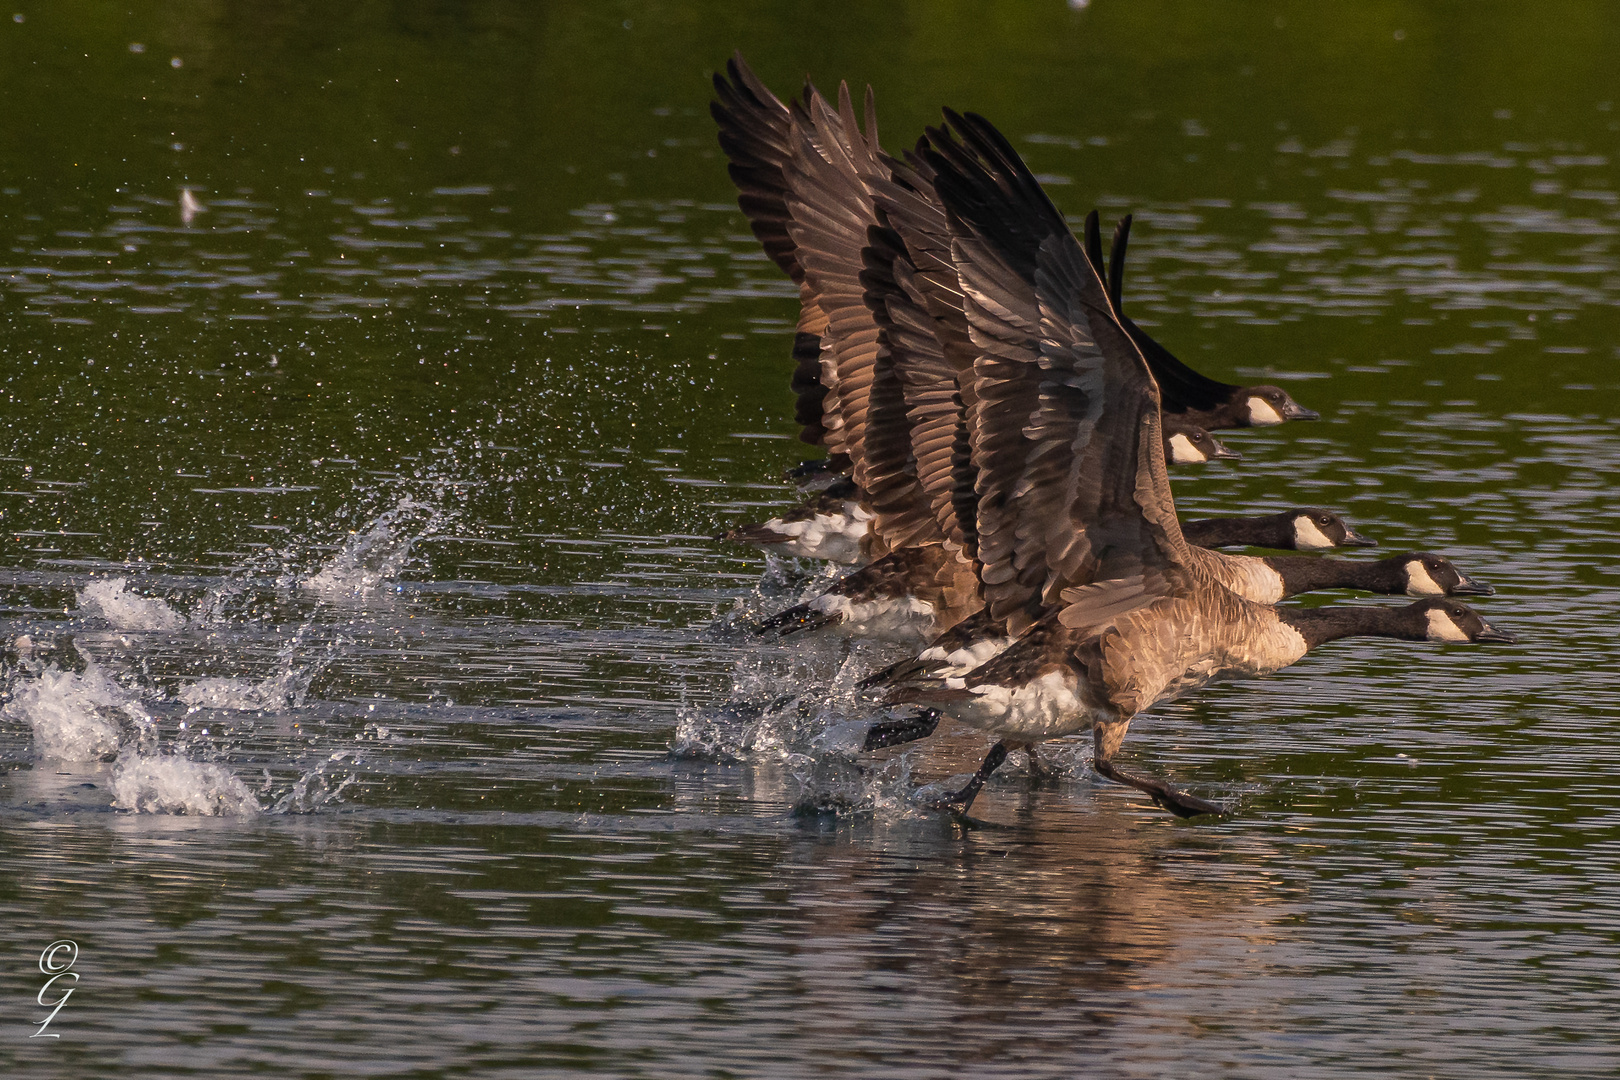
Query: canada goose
865,236
1059,680
1304,528
1114,611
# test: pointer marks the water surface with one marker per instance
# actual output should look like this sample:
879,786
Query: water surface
377,703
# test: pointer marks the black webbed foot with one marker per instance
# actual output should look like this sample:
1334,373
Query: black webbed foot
796,620
887,733
959,803
1172,799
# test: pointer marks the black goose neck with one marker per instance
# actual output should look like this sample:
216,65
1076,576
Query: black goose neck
1305,573
1272,531
1318,625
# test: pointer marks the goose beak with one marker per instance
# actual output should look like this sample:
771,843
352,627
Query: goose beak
1355,539
1492,634
1471,587
1293,410
1223,452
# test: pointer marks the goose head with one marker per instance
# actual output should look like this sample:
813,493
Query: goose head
1446,620
1185,444
1268,405
1434,575
1316,529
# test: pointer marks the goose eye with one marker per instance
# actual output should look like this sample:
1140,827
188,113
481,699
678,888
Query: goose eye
1325,520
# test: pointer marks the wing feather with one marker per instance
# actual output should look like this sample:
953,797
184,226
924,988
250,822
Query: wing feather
756,134
848,260
1072,482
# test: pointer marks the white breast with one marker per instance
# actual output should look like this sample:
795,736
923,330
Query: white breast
1254,579
826,536
969,657
1046,708
904,618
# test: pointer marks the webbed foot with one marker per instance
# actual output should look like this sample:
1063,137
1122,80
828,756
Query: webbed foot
897,732
958,803
1172,799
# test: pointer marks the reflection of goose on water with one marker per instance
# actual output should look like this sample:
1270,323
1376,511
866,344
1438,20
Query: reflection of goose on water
1005,427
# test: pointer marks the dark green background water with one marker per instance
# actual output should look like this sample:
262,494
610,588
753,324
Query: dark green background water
423,425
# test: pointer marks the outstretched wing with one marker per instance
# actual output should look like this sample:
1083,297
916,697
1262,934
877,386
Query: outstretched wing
1066,435
756,134
833,223
928,335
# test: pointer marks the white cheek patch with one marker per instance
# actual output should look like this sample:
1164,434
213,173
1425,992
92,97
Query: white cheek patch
1441,628
1419,583
1182,451
1261,414
1307,537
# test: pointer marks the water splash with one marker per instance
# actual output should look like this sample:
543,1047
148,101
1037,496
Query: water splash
315,788
77,716
110,599
173,784
90,716
286,687
283,690
375,557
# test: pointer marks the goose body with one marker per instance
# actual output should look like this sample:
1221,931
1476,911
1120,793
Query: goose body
1083,556
909,595
1060,680
972,641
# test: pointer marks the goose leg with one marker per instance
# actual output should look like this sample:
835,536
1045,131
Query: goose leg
1106,738
964,798
895,732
